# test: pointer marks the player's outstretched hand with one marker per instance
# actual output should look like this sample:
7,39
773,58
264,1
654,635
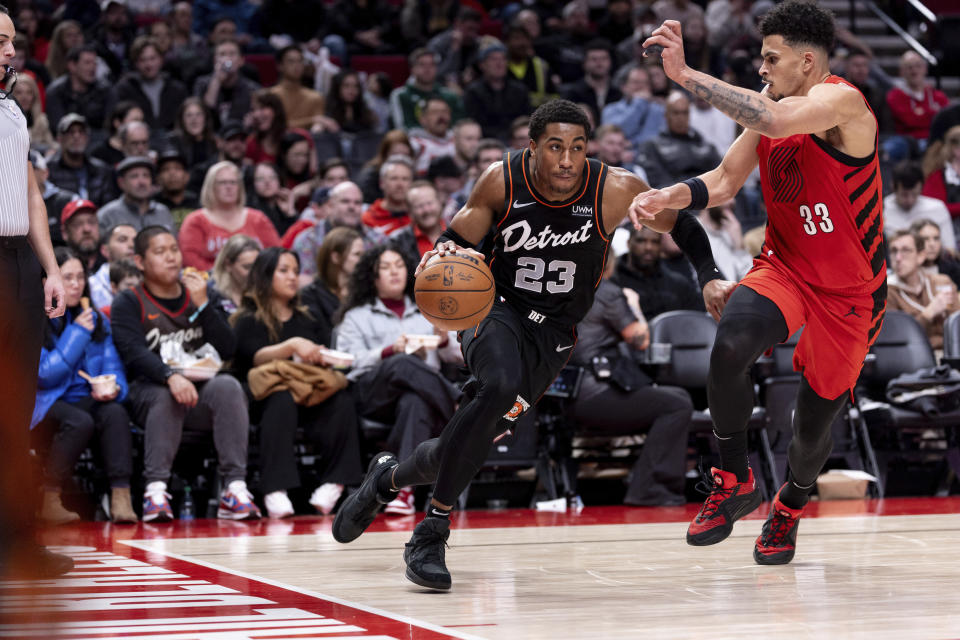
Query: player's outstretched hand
646,206
669,37
715,296
443,249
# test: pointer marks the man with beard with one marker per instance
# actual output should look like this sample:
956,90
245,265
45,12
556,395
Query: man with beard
81,233
136,206
426,223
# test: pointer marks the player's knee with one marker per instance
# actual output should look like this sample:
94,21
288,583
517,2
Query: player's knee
427,455
731,355
498,391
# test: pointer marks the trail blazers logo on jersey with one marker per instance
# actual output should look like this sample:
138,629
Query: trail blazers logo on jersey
785,177
545,238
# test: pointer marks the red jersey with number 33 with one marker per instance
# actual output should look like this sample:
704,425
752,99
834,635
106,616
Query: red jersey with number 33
824,211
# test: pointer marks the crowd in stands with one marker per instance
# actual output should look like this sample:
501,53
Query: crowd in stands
254,182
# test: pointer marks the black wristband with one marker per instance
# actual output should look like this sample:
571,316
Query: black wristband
456,238
699,197
689,235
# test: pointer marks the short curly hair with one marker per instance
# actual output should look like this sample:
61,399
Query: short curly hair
362,287
800,22
558,110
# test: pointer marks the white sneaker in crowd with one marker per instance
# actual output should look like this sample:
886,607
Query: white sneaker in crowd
325,497
402,505
278,504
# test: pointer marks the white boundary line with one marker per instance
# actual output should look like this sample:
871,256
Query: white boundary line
144,545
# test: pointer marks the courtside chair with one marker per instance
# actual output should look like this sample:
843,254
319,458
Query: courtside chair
691,335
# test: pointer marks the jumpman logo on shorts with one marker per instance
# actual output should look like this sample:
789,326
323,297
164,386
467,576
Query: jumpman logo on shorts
852,312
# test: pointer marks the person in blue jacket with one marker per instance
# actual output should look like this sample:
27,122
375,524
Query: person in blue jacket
69,409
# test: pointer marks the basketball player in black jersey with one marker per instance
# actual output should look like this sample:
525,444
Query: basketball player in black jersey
552,211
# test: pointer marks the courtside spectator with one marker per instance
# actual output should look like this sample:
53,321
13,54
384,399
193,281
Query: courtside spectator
404,389
166,308
336,259
272,325
228,278
69,410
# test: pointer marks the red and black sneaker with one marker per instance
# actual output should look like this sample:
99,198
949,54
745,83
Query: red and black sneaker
728,501
778,540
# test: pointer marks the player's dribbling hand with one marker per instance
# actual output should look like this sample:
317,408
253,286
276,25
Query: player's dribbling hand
646,206
443,249
669,37
715,296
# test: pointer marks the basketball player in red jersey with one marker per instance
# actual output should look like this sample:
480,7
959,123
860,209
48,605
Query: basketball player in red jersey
822,266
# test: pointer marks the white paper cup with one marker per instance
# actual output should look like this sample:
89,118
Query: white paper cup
105,384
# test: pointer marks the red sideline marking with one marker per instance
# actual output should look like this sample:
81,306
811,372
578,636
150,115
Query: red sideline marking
130,592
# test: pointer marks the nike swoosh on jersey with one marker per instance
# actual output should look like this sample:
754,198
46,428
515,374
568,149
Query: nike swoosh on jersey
153,316
517,205
559,348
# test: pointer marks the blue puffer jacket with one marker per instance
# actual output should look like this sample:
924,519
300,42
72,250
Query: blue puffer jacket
75,350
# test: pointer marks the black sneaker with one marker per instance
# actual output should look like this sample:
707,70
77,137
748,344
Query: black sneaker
425,553
361,507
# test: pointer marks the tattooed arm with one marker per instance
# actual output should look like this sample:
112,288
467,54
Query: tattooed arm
824,107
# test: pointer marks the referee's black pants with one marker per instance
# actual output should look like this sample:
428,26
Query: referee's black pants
22,323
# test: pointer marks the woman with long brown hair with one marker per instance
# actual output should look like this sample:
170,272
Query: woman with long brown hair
269,121
272,325
336,259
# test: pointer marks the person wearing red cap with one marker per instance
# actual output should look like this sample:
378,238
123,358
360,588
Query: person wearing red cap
82,233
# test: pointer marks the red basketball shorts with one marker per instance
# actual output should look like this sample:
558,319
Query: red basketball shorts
837,327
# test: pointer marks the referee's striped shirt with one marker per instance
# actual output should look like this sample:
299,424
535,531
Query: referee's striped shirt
14,147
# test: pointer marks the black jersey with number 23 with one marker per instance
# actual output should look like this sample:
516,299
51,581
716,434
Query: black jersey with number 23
548,256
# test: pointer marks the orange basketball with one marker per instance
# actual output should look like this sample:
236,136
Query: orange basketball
455,291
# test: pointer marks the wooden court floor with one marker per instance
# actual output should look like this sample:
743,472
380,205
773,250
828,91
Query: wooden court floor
864,569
